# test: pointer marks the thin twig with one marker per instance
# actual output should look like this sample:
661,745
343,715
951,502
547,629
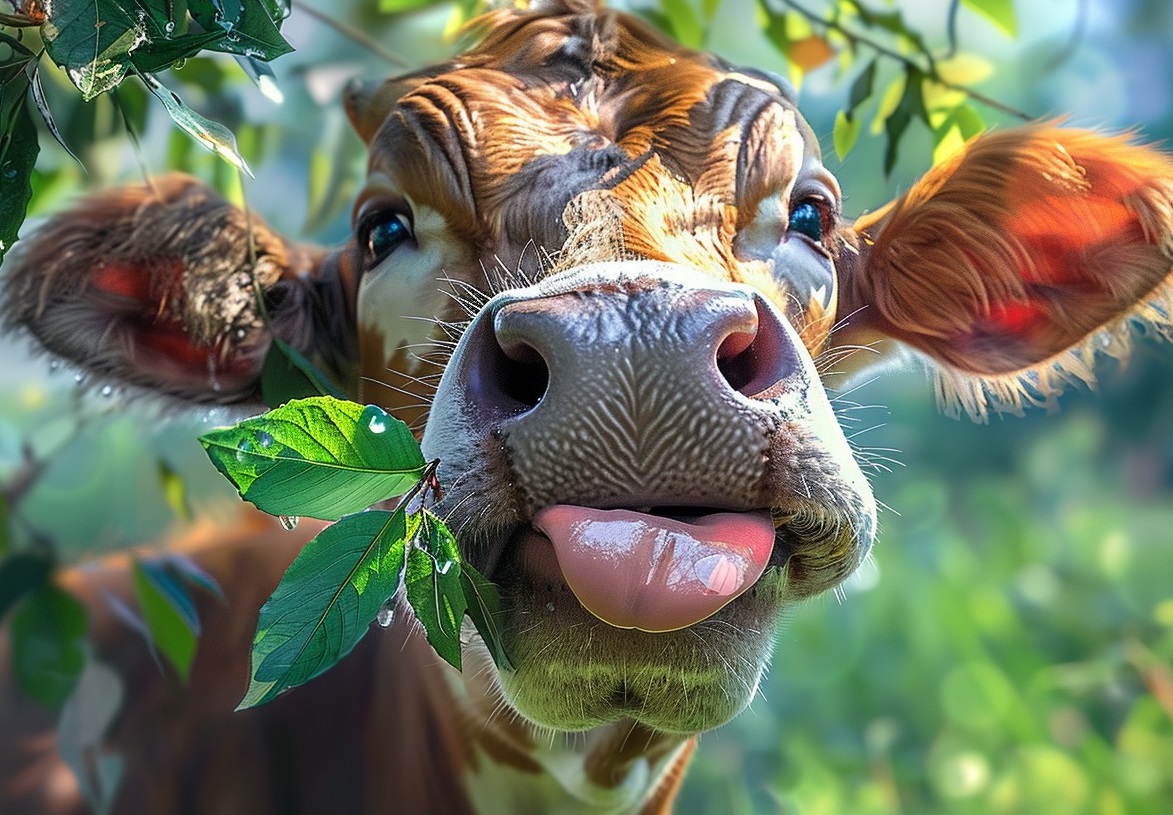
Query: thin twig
954,5
931,72
353,34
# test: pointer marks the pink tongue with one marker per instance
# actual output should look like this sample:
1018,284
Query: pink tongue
634,570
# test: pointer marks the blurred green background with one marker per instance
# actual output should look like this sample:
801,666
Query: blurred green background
1008,649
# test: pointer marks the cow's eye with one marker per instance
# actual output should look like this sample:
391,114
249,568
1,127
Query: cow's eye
383,232
807,219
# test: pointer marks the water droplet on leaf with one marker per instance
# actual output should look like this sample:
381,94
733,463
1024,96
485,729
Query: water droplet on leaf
169,28
375,419
386,614
444,566
10,170
265,439
288,522
79,378
245,449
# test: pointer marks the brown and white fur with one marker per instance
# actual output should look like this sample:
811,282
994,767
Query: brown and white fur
655,344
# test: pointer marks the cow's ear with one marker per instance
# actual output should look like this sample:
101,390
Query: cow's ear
169,287
1017,261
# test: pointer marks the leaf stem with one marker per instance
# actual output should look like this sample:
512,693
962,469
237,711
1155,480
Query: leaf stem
930,72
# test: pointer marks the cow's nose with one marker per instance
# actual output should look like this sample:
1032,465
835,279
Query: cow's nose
621,388
573,348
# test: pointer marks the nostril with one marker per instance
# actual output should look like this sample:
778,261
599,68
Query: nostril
754,361
736,359
522,374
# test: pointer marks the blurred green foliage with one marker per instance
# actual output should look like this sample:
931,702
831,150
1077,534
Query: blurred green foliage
1010,647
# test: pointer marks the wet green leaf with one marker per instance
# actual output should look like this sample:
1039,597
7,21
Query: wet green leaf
434,588
92,41
326,600
212,135
47,648
321,457
20,574
18,139
250,26
397,6
168,611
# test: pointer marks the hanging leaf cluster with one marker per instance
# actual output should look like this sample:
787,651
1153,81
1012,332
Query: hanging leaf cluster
98,43
331,459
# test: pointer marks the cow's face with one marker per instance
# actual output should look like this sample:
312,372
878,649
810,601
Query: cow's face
642,257
637,445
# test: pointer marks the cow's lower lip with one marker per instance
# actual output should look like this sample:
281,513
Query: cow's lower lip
637,570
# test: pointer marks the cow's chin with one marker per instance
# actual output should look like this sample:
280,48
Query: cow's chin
575,672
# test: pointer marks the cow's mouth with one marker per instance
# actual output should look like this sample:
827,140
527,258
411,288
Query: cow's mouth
649,570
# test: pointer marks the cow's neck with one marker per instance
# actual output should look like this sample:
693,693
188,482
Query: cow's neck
514,766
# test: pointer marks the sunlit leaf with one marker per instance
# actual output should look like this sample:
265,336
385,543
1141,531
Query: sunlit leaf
846,133
20,574
684,24
397,6
169,612
484,607
434,588
47,652
212,135
321,457
999,12
174,489
326,600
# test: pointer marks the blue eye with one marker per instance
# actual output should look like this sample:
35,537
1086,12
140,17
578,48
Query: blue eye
807,219
386,233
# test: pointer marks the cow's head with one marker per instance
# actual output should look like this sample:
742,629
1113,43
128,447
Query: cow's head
648,270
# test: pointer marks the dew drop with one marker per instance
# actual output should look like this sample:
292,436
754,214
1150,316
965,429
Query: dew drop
288,522
107,391
54,365
376,420
444,566
386,614
79,378
265,439
244,450
169,28
10,170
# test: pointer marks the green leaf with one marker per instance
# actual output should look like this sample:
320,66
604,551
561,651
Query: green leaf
212,135
434,588
861,88
398,6
169,613
47,645
174,489
326,600
773,25
20,574
250,26
686,26
321,457
911,105
846,133
92,41
999,12
34,72
484,607
287,374
18,139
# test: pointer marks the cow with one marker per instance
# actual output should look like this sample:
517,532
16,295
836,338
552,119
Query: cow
635,271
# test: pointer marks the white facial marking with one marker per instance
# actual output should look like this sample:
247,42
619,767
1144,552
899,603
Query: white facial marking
402,296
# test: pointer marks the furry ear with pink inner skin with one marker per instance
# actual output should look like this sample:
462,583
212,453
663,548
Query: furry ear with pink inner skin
169,287
1015,262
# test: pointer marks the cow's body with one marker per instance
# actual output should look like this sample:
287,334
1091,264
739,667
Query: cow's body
642,397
